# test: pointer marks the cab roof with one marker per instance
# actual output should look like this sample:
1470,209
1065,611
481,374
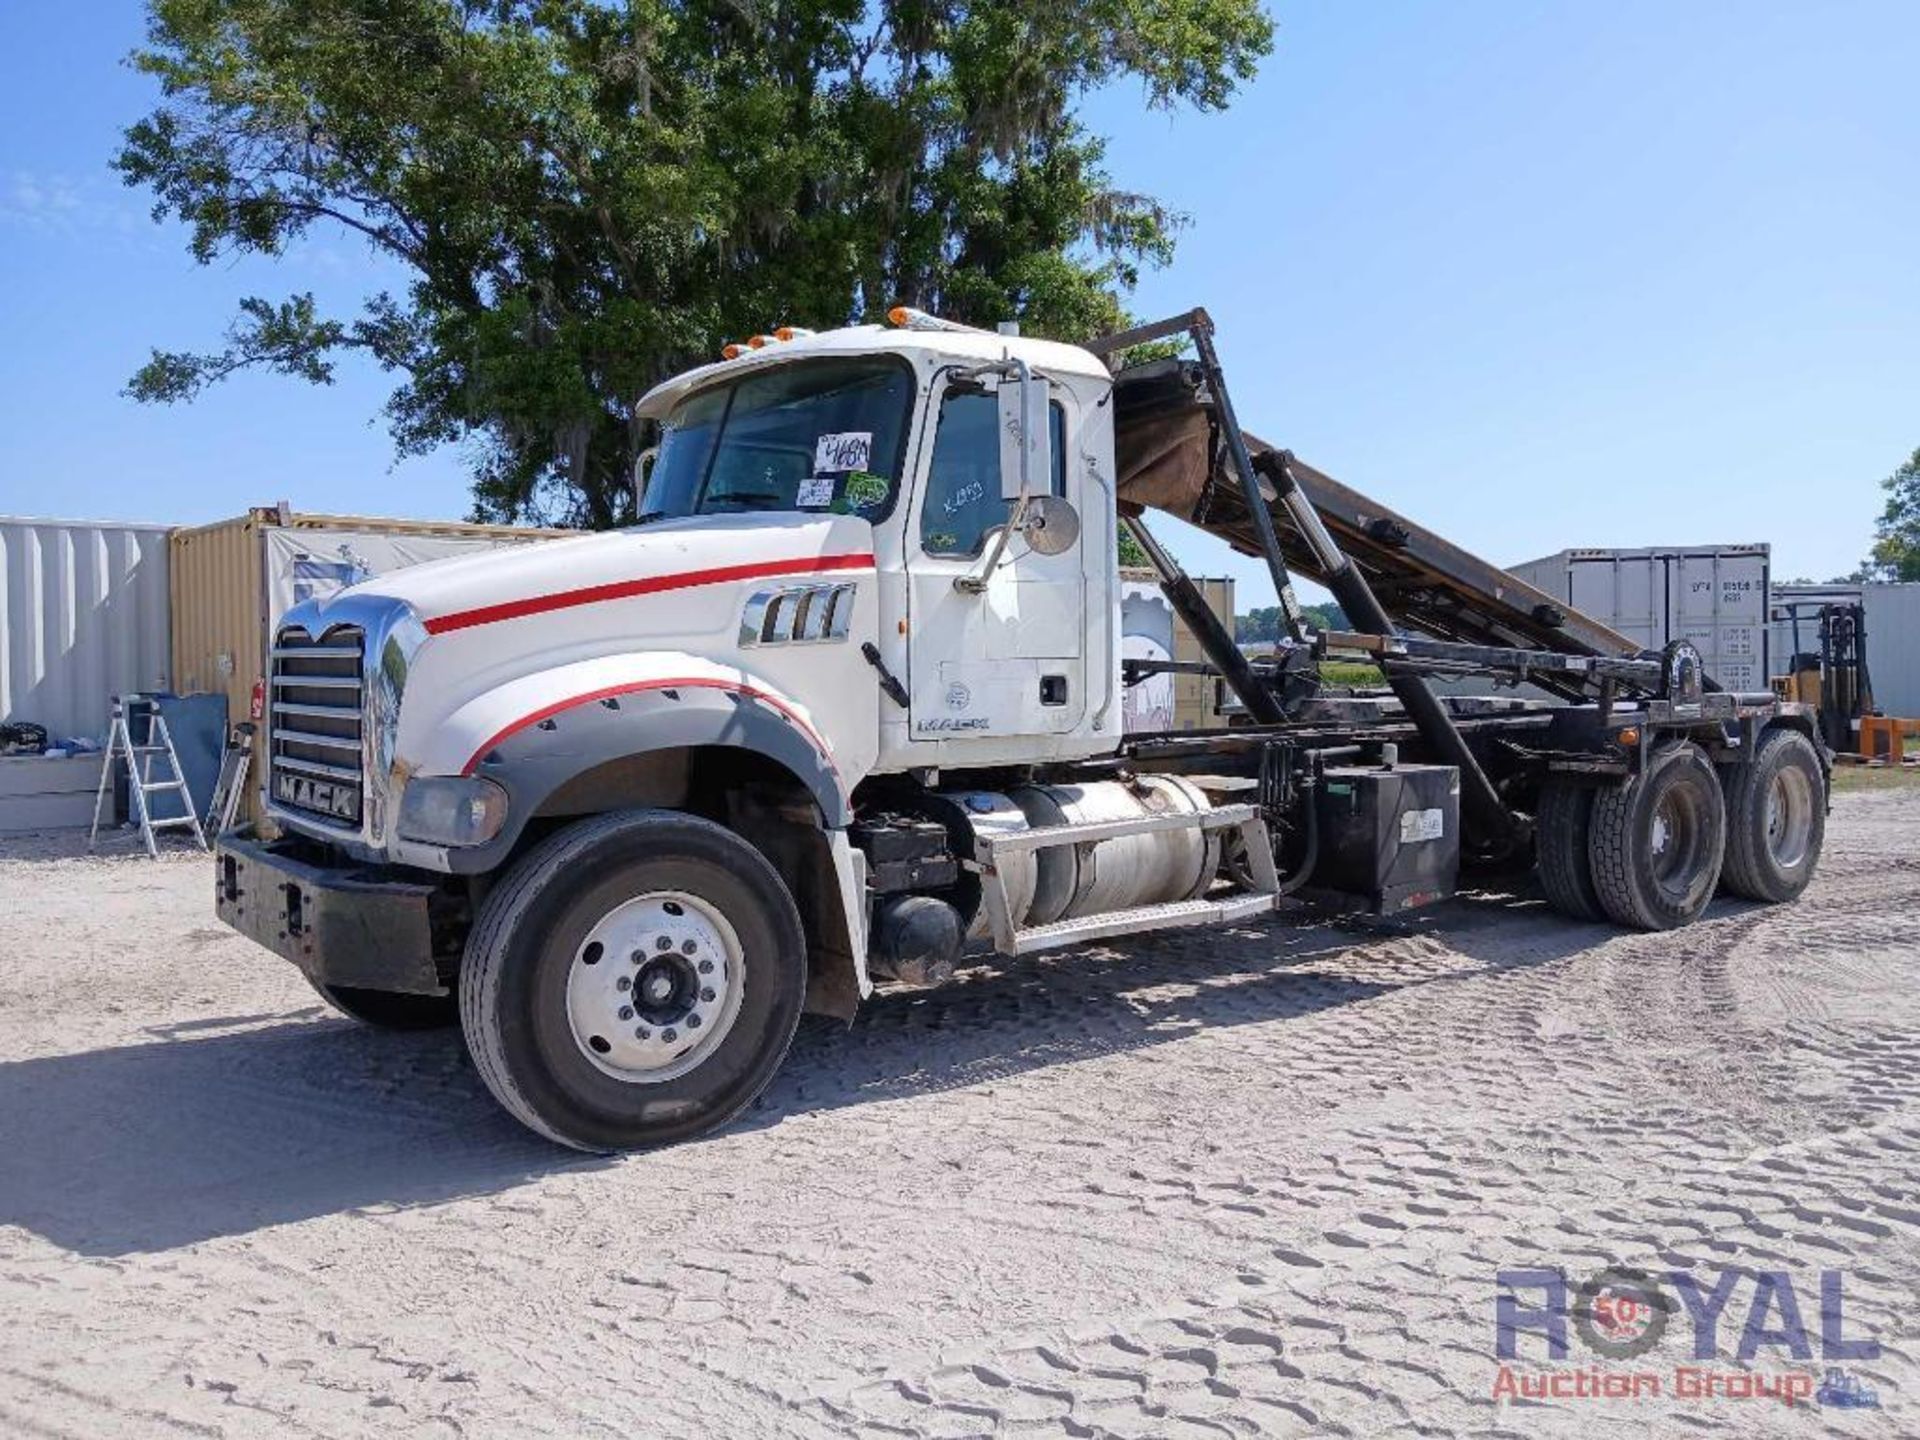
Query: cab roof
919,346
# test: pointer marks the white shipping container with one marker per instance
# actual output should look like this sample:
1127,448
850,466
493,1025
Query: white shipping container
83,617
1712,595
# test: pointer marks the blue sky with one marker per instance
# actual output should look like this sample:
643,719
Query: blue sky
1538,275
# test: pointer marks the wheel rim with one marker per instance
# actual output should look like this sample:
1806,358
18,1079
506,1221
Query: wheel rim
1789,817
1676,841
654,987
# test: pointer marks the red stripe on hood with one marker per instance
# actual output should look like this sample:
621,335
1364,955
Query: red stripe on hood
651,585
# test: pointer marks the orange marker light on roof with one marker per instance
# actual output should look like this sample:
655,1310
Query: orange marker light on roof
760,342
899,315
733,351
792,332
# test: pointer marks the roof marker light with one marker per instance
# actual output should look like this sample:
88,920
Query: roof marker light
908,318
732,351
792,332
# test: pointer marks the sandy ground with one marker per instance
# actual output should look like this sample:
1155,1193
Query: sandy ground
1214,1185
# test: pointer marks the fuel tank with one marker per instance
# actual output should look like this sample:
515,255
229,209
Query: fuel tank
1063,882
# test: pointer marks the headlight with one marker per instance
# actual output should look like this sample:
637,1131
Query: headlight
446,810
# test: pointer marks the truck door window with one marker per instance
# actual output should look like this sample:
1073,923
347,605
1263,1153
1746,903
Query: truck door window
963,488
825,435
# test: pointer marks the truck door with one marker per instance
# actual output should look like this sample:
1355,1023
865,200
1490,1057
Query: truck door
1007,662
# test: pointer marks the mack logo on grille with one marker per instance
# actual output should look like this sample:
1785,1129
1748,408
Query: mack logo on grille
340,801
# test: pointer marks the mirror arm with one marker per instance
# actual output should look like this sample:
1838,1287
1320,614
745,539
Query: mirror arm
974,582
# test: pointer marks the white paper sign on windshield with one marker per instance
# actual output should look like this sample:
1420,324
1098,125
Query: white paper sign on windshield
843,451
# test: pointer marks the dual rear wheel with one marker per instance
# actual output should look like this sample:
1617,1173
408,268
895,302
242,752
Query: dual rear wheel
1650,853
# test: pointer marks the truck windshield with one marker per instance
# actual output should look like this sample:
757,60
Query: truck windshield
827,436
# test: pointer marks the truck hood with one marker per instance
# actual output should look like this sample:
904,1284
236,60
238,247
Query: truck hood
538,577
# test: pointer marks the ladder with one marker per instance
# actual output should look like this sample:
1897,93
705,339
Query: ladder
140,781
1010,939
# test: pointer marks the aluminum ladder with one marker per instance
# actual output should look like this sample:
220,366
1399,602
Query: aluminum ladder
1010,939
140,782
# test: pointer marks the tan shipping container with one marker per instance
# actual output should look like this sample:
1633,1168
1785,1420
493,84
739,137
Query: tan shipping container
221,593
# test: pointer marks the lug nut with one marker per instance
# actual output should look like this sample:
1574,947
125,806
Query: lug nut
626,1012
665,942
693,1021
707,994
623,983
639,957
706,967
668,1035
687,947
642,1033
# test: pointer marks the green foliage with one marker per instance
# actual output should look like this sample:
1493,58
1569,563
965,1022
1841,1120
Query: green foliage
1351,672
588,196
1264,626
1896,538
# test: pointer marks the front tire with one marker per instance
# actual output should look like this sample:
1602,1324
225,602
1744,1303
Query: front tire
635,980
1776,819
1658,841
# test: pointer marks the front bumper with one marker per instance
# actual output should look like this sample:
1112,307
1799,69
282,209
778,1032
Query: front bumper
343,925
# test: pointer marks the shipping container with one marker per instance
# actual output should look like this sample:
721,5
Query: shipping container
234,579
83,617
1892,616
1149,630
1712,595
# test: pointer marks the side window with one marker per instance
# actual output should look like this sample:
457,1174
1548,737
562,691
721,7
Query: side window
963,488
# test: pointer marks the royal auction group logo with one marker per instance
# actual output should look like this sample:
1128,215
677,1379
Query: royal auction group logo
1760,1321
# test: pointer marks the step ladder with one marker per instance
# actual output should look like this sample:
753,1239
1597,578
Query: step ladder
140,782
230,790
1009,939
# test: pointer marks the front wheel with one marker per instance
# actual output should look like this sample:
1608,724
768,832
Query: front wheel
635,980
1658,840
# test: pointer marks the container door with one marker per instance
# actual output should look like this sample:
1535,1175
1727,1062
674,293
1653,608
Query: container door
1625,592
1718,601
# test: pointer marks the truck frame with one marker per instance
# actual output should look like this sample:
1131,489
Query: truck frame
842,709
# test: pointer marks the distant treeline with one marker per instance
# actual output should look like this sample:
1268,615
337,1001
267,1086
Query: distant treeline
1263,626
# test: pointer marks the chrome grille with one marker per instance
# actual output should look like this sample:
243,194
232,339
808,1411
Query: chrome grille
317,763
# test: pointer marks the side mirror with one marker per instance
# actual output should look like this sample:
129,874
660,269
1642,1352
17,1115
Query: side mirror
1026,439
642,463
1050,525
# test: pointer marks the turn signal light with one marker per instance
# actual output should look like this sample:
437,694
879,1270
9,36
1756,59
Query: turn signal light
1628,736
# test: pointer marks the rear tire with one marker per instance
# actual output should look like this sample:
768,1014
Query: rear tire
634,980
1562,828
390,1009
1658,841
1776,819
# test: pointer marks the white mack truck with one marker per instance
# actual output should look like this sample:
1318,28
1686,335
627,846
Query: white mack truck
845,705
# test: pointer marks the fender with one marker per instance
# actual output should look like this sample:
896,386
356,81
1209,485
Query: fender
535,733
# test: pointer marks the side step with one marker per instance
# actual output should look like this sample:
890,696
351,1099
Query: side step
1178,915
1010,939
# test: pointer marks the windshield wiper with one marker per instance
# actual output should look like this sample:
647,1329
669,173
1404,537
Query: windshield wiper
750,500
